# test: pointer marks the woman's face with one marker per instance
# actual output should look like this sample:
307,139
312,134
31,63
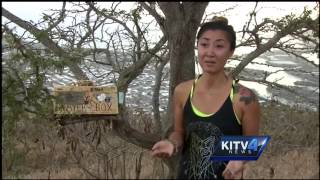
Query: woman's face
213,51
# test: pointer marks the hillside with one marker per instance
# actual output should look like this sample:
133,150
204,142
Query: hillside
293,151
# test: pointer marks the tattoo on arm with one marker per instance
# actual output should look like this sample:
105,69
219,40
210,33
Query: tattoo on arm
246,95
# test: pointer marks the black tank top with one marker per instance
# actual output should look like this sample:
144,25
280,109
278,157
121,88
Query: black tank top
202,136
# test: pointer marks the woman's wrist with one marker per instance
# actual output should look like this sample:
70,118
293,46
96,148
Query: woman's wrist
175,146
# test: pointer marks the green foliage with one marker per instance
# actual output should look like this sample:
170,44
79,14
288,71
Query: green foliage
289,22
136,13
23,82
24,96
42,35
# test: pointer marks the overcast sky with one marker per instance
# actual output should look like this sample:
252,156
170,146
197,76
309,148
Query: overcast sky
33,10
237,17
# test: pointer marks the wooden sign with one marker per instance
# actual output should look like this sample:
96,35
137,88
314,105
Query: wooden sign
86,100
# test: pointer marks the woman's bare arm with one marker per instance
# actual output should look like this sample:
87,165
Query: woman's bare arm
177,136
250,108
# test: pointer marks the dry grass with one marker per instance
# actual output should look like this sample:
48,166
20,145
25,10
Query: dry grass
293,151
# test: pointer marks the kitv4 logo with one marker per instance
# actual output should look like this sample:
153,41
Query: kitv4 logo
240,148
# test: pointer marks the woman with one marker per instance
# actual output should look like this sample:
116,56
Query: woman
208,107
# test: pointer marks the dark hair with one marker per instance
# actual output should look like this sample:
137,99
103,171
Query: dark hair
219,23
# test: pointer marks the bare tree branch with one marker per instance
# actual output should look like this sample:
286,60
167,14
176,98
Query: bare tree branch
43,37
273,84
298,55
288,29
60,18
150,8
156,90
114,19
130,73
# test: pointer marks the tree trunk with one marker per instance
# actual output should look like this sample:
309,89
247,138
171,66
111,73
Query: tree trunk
156,94
181,24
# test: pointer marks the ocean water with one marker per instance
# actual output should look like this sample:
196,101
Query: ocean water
284,69
139,94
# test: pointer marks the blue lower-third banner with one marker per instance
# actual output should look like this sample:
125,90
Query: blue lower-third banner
240,148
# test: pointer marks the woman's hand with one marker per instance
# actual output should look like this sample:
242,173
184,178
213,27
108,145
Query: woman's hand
234,170
163,149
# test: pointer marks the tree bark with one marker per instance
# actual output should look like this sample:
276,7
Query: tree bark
131,135
156,94
181,23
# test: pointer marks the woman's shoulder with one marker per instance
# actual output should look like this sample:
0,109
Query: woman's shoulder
184,85
182,90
